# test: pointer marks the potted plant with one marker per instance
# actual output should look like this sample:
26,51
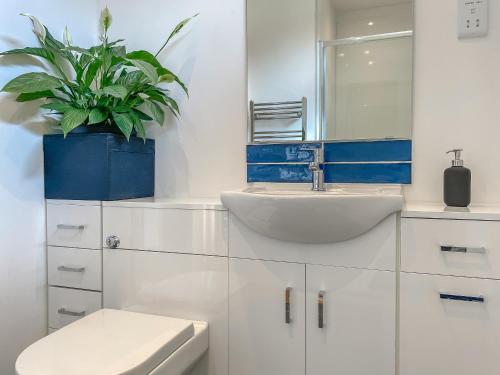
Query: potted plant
102,96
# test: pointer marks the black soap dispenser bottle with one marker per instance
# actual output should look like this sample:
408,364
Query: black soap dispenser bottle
457,182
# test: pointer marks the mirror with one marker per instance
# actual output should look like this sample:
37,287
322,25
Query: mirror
329,69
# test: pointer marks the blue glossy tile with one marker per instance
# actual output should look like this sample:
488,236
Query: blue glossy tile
380,173
280,153
278,173
368,151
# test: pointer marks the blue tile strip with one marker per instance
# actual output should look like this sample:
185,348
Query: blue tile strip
278,173
368,151
376,173
383,161
280,153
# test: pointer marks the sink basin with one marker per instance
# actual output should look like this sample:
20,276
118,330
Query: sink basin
336,215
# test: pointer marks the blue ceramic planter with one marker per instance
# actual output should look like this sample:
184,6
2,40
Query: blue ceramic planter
98,166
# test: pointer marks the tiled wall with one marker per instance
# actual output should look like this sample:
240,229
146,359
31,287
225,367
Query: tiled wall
384,161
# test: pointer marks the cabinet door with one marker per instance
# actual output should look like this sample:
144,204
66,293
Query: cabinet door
263,340
449,325
358,333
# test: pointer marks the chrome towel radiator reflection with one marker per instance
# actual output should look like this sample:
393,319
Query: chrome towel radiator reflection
278,111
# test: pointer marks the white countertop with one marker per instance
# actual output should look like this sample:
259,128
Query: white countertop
440,211
186,203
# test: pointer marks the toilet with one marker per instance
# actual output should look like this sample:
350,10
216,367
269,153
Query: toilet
114,342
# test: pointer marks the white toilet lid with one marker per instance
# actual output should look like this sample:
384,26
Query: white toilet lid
106,342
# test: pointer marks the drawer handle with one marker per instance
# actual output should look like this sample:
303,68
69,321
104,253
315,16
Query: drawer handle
64,311
71,269
288,301
463,249
458,297
70,227
321,309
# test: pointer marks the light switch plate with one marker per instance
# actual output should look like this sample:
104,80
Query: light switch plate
472,18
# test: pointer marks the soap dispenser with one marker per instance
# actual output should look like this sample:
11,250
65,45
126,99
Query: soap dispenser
457,182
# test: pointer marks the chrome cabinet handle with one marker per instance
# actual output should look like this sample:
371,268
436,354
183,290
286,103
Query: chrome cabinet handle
64,311
288,301
458,297
71,227
112,242
462,249
71,269
321,309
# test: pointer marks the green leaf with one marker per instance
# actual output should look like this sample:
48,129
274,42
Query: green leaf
148,69
172,105
121,109
92,70
111,44
144,56
57,107
119,51
73,118
132,79
59,48
52,42
142,115
124,122
165,71
83,51
169,78
97,115
32,51
155,111
32,82
138,125
27,97
116,91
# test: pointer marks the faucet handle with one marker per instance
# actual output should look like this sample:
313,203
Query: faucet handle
318,153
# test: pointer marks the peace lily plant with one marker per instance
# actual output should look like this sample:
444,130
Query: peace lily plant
101,85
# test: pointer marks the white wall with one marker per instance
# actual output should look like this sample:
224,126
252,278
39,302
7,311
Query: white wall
457,102
203,152
22,219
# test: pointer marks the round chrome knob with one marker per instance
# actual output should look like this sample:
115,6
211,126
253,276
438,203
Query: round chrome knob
112,242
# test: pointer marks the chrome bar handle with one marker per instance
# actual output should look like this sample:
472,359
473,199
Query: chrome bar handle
71,269
64,311
70,227
288,301
321,309
458,297
462,249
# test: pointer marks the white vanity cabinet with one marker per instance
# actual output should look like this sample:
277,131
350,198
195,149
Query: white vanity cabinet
266,317
74,260
449,292
351,321
342,319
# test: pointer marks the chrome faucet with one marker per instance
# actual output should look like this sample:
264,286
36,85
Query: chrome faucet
318,177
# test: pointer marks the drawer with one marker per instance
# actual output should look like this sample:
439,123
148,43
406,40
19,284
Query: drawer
73,225
451,247
168,230
449,336
69,305
75,268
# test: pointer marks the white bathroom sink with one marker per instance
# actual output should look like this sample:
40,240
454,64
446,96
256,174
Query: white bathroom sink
303,216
